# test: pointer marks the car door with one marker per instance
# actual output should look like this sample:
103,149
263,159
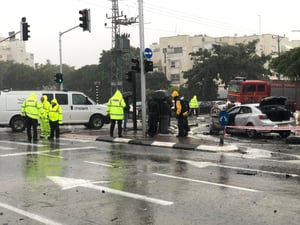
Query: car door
81,108
242,116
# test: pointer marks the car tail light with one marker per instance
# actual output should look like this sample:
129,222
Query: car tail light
262,117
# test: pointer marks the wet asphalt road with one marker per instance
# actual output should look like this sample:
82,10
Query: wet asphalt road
83,182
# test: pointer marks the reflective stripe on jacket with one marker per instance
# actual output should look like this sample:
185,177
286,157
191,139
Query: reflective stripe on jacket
30,107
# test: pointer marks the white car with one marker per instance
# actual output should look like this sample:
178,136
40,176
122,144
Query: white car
270,113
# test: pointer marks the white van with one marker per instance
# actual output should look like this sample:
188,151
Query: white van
78,109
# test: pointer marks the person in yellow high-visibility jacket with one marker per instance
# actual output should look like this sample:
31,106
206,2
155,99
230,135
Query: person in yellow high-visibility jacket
55,119
30,109
115,110
44,120
194,105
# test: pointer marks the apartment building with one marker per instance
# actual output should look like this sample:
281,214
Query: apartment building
171,54
15,50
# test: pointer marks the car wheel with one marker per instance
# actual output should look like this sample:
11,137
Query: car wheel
284,134
96,122
18,124
250,132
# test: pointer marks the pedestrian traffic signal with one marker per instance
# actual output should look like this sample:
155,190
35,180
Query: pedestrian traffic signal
135,65
25,29
148,65
85,18
59,78
129,76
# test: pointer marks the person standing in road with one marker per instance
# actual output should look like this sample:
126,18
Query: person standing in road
115,109
194,106
55,119
30,109
44,120
181,111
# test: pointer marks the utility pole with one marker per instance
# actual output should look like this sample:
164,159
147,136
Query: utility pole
118,45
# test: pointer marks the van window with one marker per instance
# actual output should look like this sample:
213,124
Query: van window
49,97
62,99
79,99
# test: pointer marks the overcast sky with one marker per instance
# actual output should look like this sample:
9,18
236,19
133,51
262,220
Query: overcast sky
162,18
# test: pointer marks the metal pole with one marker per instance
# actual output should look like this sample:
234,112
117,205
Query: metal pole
60,59
143,80
60,52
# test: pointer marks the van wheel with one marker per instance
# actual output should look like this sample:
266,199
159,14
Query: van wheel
18,124
96,122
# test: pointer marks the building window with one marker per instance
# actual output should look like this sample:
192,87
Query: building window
175,77
178,50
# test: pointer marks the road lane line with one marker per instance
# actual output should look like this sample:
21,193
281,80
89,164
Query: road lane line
99,164
29,215
47,151
206,164
206,182
23,143
67,183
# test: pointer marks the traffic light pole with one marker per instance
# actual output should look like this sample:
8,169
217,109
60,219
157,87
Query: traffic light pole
11,36
60,52
143,80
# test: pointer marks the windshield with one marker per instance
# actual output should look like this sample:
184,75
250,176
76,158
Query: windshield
234,87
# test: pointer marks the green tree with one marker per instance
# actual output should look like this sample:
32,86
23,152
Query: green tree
223,63
288,64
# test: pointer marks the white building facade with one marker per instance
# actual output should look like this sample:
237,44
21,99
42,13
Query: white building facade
15,50
171,54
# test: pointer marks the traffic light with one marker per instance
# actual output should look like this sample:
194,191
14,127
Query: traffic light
59,78
135,65
148,65
25,29
129,76
85,18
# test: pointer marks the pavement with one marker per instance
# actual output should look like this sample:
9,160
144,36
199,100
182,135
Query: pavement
169,140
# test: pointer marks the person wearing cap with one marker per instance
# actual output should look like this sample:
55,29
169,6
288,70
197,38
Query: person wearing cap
55,119
115,109
30,110
44,120
181,111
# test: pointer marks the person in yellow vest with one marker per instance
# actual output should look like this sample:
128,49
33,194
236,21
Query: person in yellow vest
44,120
115,110
30,109
194,106
55,119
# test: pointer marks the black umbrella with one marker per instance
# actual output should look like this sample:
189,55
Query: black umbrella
160,95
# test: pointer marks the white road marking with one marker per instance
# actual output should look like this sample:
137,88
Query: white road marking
206,164
47,151
29,215
23,143
99,164
206,182
6,148
67,183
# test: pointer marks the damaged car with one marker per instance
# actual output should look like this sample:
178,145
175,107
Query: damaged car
271,115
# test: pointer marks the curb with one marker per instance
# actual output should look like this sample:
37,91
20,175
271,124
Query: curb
153,143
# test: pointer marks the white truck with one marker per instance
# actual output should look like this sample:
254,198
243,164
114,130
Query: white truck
78,109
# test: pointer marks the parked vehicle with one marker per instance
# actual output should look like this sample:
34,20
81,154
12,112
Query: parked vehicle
252,91
78,109
270,112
